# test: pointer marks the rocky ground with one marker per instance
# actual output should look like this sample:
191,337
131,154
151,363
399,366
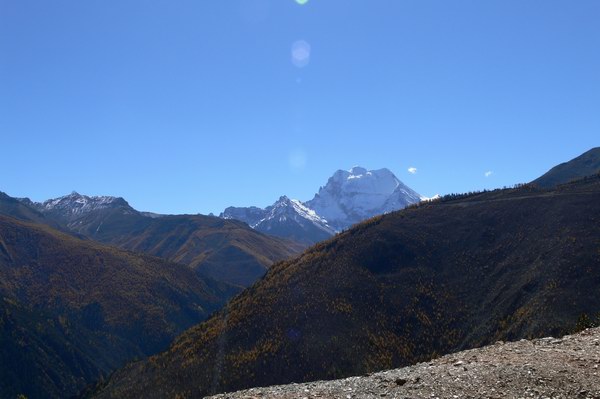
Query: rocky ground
568,367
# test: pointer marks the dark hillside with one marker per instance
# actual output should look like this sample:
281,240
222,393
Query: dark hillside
225,250
72,310
394,290
587,164
19,209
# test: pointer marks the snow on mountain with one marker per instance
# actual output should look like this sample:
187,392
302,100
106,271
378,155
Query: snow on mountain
401,198
75,205
358,194
287,218
348,197
251,215
286,208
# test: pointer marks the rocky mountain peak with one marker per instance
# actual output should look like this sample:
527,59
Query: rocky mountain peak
358,170
73,206
76,203
349,197
352,196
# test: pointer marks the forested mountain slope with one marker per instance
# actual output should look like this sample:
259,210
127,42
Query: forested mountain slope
225,250
456,273
72,310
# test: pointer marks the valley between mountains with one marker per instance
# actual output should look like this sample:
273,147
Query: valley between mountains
406,287
299,199
100,300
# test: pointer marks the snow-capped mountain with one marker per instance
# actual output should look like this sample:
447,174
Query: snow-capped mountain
251,215
348,197
74,206
287,218
358,194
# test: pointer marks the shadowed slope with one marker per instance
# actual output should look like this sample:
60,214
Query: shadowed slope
22,210
584,165
72,310
225,250
400,288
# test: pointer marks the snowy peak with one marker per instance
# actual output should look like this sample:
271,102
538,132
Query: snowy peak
358,171
71,207
290,218
287,218
286,207
349,197
250,215
352,196
360,180
76,203
402,197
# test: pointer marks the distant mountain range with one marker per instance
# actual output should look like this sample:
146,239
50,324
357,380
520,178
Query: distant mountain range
349,197
81,293
226,250
82,309
454,273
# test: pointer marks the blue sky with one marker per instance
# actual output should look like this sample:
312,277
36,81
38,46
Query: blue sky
194,105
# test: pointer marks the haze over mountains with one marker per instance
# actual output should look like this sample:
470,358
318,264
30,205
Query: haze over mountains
348,197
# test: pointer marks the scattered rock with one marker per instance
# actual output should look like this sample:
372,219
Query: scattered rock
550,368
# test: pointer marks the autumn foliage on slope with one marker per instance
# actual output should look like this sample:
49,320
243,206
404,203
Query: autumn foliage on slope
457,273
72,310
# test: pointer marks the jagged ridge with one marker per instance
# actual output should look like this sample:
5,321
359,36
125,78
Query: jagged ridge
348,197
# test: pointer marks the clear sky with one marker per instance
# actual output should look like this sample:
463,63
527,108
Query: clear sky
194,105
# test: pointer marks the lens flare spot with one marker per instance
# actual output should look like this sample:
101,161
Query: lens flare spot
302,2
297,160
301,53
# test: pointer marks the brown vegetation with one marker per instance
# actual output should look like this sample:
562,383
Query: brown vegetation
72,310
395,290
